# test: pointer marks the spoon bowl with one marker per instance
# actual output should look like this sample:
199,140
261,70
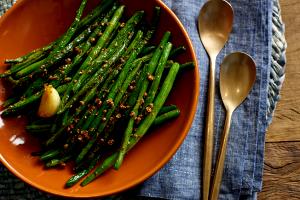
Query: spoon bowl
237,76
215,24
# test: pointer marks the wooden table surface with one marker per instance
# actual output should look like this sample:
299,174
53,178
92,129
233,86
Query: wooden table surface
282,153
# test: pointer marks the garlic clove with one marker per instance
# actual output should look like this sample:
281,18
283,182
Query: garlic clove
49,102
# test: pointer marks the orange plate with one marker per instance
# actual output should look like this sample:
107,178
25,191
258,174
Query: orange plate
31,24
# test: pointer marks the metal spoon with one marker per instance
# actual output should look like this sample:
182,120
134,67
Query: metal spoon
214,24
237,76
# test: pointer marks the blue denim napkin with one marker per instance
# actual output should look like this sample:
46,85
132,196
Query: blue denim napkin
181,177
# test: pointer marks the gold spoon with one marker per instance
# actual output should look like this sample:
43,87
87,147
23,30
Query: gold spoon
237,76
214,24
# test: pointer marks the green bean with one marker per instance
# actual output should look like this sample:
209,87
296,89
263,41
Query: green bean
107,163
166,109
148,50
187,66
78,176
100,9
177,51
49,155
160,119
56,162
12,109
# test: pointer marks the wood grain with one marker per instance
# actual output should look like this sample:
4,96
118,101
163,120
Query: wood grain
282,171
282,153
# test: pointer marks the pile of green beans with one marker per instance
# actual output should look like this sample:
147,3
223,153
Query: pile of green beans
113,86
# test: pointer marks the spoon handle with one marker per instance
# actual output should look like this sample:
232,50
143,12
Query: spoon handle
209,131
221,159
